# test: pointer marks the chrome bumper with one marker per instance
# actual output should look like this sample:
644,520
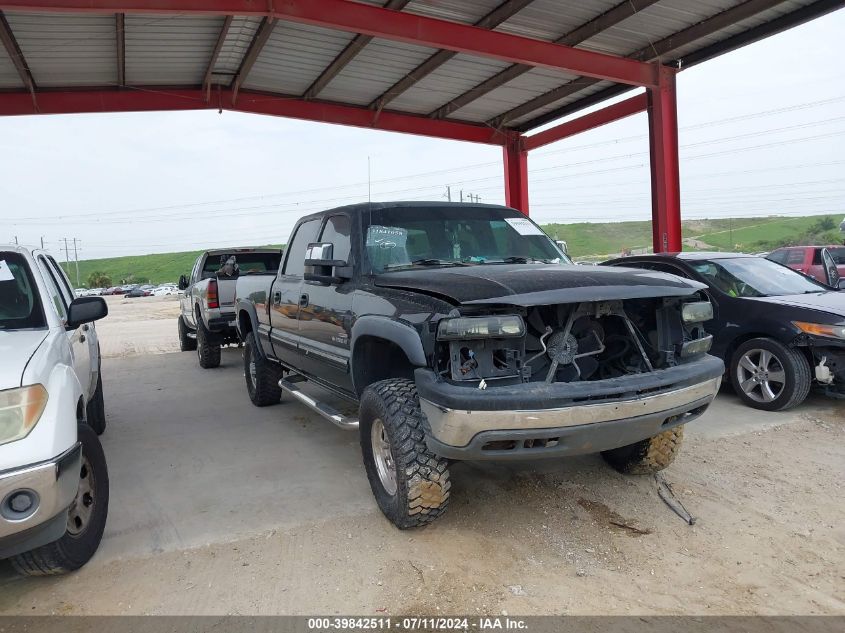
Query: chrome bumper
456,427
53,484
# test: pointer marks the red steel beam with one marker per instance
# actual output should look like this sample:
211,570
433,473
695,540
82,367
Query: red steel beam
609,114
516,174
379,22
156,98
665,172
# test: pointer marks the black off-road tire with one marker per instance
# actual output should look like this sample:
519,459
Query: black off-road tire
262,384
186,343
71,552
422,478
647,456
208,352
95,410
797,371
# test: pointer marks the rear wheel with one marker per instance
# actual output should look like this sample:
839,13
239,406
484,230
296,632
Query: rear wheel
411,484
207,351
95,411
262,376
770,376
186,343
86,517
647,456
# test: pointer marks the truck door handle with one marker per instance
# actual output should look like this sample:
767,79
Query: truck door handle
277,298
85,328
303,301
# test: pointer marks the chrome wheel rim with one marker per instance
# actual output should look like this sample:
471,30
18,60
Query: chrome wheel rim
79,514
761,375
383,457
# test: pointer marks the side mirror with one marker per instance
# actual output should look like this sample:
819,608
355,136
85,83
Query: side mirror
320,265
86,309
842,284
183,282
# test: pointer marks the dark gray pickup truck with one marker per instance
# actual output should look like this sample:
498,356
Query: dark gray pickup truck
464,333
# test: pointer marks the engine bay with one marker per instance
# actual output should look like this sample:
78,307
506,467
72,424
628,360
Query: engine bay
572,343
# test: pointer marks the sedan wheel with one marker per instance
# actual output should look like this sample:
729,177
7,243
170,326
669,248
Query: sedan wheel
761,375
768,375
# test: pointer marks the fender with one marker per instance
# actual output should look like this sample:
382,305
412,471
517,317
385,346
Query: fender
402,335
264,344
242,305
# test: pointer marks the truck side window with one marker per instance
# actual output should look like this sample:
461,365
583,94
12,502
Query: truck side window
305,234
337,231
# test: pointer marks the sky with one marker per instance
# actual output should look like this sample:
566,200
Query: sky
762,132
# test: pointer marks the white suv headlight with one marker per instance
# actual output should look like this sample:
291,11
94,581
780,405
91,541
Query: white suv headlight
20,410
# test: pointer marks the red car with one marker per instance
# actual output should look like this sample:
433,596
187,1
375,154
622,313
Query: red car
811,260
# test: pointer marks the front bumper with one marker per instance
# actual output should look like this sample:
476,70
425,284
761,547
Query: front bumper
53,485
544,420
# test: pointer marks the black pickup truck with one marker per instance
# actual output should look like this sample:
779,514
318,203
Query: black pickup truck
464,333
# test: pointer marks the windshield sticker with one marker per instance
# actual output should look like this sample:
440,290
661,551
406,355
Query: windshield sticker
524,226
387,237
5,271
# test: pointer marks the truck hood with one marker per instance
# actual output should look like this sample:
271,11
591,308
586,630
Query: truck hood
16,348
832,302
537,284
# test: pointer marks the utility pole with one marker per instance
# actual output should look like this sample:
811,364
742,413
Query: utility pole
449,193
462,195
67,262
76,259
16,240
42,242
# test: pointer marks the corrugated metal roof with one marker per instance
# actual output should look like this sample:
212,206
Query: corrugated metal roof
235,46
169,50
294,57
9,77
524,88
67,49
375,69
447,82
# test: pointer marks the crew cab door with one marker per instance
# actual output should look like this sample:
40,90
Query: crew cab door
286,293
325,313
82,337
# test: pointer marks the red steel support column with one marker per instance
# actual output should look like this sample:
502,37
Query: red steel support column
516,174
665,172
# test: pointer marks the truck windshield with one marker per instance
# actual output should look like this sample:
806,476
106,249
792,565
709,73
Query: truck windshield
410,237
755,277
20,303
230,264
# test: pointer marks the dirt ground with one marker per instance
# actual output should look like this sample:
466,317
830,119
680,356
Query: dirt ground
268,512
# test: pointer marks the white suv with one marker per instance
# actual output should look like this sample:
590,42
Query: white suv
54,487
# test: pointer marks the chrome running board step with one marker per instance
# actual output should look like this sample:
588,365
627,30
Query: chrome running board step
320,408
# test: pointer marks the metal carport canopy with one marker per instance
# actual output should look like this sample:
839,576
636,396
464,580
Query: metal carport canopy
485,71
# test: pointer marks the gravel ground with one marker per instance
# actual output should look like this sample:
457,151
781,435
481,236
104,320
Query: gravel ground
267,511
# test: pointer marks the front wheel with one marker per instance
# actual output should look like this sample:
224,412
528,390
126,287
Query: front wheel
262,376
648,456
186,343
410,483
770,376
208,352
86,517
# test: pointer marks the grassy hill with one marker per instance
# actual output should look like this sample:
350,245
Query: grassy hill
586,240
155,269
